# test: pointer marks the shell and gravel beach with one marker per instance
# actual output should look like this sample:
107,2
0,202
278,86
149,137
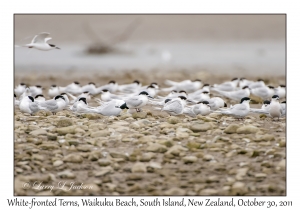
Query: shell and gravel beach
151,153
148,153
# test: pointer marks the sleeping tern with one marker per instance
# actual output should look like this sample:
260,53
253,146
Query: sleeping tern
238,110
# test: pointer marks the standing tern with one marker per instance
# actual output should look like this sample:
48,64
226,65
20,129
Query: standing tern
137,102
275,107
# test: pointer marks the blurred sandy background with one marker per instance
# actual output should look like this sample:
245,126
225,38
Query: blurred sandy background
239,45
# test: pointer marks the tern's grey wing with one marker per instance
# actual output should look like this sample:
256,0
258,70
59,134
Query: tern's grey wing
106,106
134,102
34,107
196,109
261,111
40,38
224,85
115,97
110,110
50,105
173,106
282,109
239,107
261,92
188,111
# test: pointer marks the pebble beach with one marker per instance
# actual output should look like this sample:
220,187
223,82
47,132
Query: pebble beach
147,153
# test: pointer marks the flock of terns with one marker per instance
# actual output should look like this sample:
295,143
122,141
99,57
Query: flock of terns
187,97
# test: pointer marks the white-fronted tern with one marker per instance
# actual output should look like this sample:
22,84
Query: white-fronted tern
36,90
238,110
280,91
53,91
137,102
201,108
39,98
28,105
73,88
264,92
54,105
112,87
40,42
20,89
236,95
175,106
275,108
227,86
186,85
216,103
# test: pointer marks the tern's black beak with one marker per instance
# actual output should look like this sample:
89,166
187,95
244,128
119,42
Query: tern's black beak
57,48
150,97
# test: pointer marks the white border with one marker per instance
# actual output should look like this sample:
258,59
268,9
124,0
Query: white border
6,43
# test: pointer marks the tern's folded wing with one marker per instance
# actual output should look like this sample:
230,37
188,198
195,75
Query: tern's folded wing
261,111
188,111
50,105
174,106
34,107
134,102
